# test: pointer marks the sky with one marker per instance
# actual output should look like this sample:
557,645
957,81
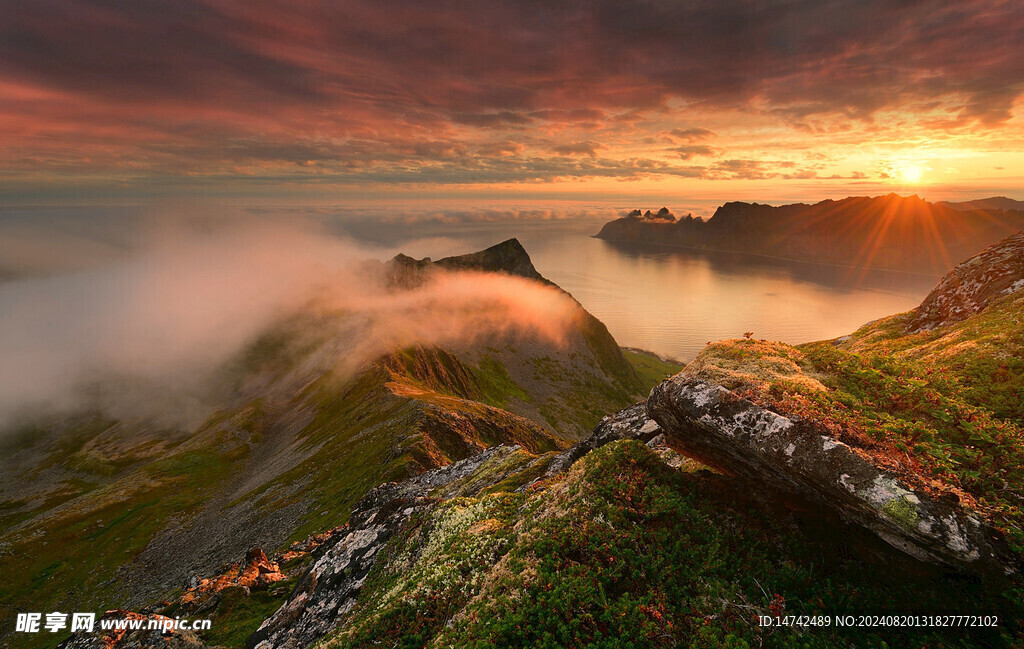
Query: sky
315,100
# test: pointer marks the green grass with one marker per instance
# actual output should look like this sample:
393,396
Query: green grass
983,355
651,369
69,560
900,408
238,615
496,387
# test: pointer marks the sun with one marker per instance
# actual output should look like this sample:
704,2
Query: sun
911,174
907,172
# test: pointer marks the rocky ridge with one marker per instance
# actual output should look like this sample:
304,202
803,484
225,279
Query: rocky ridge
329,582
717,427
972,285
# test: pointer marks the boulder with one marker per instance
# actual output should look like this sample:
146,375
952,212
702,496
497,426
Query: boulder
629,423
721,429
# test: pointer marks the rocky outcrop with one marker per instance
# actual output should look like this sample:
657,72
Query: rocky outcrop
663,216
330,587
629,423
256,571
508,257
712,424
973,285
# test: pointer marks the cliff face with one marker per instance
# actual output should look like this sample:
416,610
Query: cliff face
892,232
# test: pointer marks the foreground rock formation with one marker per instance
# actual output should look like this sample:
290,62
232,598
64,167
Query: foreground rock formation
719,428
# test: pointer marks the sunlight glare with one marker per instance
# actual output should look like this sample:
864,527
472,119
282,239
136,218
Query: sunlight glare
911,174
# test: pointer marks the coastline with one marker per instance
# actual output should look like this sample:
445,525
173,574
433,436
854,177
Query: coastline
937,276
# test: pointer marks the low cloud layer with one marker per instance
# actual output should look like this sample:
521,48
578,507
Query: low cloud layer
163,318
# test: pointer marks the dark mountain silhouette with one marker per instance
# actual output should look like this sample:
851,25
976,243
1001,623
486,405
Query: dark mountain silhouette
993,203
891,232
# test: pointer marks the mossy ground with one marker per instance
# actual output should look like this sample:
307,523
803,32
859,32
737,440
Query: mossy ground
651,369
627,552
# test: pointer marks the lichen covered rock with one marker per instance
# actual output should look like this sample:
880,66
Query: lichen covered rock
726,431
972,285
629,423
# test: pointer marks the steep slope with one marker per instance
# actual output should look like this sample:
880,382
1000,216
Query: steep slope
892,232
100,513
571,386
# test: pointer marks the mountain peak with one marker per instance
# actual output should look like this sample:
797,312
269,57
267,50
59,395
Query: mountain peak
508,257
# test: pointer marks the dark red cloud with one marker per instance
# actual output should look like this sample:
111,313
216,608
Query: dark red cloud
579,148
690,134
178,84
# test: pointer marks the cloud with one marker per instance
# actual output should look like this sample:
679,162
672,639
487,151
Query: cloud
493,120
691,134
688,151
203,89
579,148
157,326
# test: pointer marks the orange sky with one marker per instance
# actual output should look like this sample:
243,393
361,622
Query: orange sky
755,100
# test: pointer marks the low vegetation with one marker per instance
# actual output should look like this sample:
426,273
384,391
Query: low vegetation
626,552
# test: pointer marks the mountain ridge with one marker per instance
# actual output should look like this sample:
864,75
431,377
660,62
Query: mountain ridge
300,440
888,232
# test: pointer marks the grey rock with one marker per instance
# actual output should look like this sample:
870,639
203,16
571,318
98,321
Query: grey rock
973,285
629,423
719,428
330,587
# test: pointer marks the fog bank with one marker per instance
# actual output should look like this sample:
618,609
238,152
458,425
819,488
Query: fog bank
161,317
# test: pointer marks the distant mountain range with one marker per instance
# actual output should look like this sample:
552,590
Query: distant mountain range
891,232
994,203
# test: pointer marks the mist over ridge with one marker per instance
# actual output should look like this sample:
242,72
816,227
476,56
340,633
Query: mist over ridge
146,331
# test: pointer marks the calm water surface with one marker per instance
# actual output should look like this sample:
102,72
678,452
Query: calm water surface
674,301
